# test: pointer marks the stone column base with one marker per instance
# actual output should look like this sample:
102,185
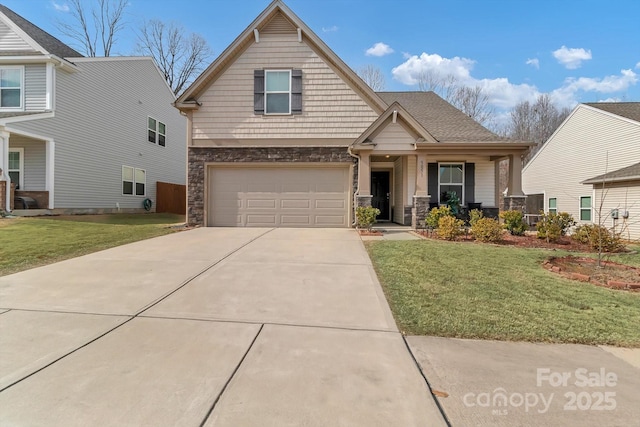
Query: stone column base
517,203
419,211
363,201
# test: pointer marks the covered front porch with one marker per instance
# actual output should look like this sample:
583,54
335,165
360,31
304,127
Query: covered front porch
404,171
26,170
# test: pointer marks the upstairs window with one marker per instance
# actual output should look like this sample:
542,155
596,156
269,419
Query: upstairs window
134,181
156,131
11,79
277,92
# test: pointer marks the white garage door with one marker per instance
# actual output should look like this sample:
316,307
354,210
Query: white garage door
278,196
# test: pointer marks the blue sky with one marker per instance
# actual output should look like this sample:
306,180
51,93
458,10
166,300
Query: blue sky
574,50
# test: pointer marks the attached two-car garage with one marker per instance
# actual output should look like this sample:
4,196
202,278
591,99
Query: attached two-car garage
278,195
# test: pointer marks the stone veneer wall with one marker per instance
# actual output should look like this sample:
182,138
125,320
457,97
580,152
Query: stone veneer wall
200,156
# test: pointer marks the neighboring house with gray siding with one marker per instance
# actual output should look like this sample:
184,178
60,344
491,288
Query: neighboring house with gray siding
283,133
82,134
589,167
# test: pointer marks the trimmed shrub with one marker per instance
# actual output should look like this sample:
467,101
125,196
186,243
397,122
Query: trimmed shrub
598,238
434,215
366,217
487,230
551,225
474,216
514,222
449,227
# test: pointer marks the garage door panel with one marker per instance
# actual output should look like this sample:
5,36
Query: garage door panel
278,196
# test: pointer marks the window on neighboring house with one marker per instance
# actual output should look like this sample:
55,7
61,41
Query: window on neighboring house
11,79
553,205
451,182
156,132
585,208
134,181
16,166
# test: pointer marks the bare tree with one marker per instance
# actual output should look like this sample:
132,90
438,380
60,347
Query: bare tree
179,55
95,30
535,122
372,76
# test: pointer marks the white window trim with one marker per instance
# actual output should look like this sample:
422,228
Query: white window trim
122,180
549,205
452,183
580,209
21,167
266,92
22,88
157,132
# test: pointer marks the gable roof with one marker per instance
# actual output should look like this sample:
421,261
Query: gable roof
46,41
630,173
630,110
188,99
441,119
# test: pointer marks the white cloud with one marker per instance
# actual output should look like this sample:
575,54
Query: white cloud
571,58
60,7
615,99
409,72
567,94
638,65
379,49
331,29
534,62
407,55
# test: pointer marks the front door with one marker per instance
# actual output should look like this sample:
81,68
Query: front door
380,192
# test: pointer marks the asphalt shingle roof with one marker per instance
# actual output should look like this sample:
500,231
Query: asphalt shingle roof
630,110
441,119
44,39
630,172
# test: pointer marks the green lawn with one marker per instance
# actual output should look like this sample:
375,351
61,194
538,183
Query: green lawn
30,242
470,290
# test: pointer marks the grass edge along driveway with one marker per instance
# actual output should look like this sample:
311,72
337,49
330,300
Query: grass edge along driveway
32,242
471,290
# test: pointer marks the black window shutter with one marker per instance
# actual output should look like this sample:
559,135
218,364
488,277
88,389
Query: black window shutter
469,182
258,91
432,185
296,91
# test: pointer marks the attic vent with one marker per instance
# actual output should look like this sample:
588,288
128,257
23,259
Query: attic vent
279,25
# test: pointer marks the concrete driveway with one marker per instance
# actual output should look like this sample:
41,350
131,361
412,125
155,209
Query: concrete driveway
209,327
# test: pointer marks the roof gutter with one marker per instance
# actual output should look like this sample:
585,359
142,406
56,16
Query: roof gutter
39,59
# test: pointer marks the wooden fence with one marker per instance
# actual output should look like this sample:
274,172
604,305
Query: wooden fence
171,198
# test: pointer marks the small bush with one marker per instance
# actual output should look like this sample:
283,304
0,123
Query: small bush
434,215
598,237
487,230
449,227
474,216
514,222
551,226
366,217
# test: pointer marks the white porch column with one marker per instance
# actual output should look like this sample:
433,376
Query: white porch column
421,176
515,176
4,165
50,169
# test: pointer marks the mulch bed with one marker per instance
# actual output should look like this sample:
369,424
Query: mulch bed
609,274
369,232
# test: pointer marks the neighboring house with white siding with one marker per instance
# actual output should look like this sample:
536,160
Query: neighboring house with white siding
597,146
283,133
82,134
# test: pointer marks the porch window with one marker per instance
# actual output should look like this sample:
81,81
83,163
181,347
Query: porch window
553,205
451,182
16,167
585,208
11,79
134,181
156,131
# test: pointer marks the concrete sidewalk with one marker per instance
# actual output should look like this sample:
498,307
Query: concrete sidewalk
505,384
215,327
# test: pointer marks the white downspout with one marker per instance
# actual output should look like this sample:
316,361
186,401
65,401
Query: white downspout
355,194
50,170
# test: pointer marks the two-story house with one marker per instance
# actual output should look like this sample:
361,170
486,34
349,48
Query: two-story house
82,134
281,132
